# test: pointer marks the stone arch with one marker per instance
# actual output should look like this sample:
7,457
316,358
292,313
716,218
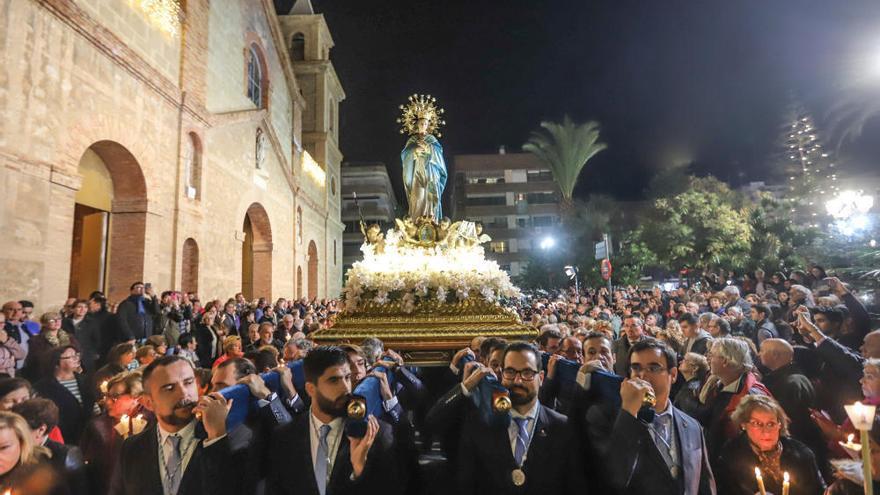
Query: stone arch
117,237
190,266
256,267
313,270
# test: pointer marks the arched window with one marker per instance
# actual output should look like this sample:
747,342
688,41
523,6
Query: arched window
298,47
255,77
192,164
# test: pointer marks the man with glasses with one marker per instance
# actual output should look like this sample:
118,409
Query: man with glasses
16,328
535,453
667,455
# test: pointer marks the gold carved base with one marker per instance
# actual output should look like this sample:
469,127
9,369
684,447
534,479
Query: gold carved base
429,335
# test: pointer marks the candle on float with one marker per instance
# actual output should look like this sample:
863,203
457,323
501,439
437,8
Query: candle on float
785,483
760,481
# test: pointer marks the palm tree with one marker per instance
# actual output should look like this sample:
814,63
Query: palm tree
565,148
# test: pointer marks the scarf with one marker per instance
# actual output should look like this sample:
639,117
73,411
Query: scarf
61,338
770,464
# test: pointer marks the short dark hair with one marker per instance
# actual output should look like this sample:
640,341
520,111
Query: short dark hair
185,339
162,361
523,347
266,357
547,335
243,367
688,317
650,343
100,299
135,285
724,325
763,309
833,314
54,359
26,304
119,350
37,412
9,385
593,334
166,294
320,358
490,344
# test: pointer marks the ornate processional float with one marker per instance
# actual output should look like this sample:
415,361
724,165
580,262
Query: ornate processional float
425,287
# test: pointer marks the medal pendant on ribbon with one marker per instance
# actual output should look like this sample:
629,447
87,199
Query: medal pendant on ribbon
518,477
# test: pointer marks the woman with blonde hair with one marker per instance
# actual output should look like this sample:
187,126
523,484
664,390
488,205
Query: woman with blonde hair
764,442
19,457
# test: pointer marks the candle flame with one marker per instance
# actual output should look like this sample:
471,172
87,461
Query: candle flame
785,477
141,416
849,438
757,472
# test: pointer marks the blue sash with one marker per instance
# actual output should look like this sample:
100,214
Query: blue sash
369,394
244,403
484,397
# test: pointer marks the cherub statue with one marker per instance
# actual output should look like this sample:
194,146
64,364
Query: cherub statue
375,237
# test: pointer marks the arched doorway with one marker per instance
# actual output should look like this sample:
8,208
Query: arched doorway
299,282
256,254
190,266
109,223
313,270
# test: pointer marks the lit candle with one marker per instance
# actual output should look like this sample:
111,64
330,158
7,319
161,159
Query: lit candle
138,423
760,481
104,387
124,426
850,445
785,483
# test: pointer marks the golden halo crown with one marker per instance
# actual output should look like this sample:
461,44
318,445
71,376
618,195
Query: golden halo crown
421,107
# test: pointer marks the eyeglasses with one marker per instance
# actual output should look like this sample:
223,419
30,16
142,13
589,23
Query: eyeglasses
527,374
651,368
768,426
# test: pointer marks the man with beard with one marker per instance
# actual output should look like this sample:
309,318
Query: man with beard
311,455
179,454
535,453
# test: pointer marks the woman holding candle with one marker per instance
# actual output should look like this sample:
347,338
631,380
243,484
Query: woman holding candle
102,439
764,443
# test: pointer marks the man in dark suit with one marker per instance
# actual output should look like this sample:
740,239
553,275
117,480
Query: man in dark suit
535,453
633,330
667,455
311,455
179,455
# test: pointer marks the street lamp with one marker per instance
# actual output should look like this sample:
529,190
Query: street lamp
572,272
547,243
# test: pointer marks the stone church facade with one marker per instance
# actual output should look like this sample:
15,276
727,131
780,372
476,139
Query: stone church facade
192,144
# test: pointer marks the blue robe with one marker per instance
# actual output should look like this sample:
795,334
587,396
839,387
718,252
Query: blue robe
424,177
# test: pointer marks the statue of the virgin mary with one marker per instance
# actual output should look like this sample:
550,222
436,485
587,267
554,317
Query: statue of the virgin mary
424,170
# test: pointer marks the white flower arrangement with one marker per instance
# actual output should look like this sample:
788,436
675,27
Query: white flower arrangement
408,274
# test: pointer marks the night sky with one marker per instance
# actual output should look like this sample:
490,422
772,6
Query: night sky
671,82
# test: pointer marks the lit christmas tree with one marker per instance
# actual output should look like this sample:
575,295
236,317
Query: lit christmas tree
811,173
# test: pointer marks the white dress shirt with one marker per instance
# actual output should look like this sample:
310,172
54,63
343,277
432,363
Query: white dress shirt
513,429
188,444
334,438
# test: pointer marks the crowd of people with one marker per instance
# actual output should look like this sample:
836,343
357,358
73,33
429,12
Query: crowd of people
684,391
